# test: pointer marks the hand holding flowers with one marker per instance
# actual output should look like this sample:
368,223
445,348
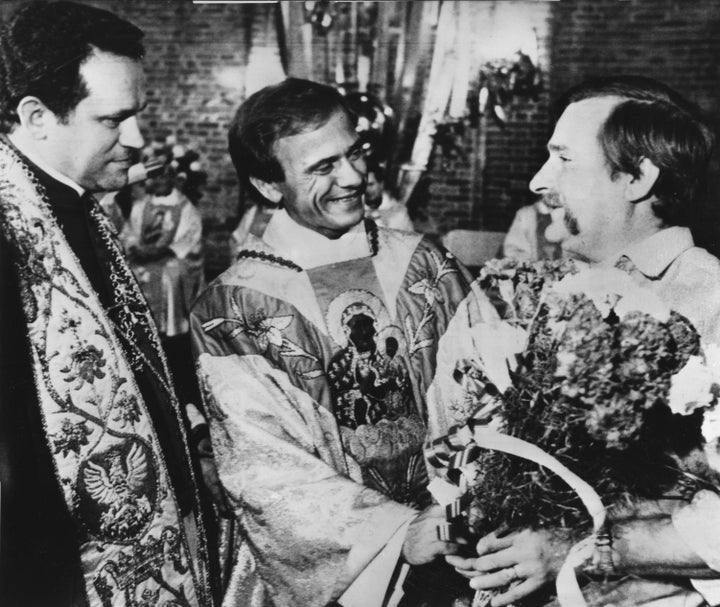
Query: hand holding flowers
604,378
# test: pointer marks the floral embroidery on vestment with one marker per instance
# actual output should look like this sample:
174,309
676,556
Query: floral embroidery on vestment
105,452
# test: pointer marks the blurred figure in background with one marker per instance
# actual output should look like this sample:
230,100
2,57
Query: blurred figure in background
117,204
380,205
537,232
253,222
163,240
374,124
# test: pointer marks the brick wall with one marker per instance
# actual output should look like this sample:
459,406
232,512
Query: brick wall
198,73
202,61
483,188
672,40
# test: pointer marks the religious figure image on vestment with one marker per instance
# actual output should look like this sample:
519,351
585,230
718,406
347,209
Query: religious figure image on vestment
373,404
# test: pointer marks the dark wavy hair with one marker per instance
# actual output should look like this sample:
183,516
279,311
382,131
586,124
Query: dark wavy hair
291,107
43,46
653,121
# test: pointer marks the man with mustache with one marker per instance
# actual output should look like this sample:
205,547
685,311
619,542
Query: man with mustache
316,350
627,163
99,501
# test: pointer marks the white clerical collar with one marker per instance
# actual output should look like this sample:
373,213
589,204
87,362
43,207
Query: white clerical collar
310,249
36,160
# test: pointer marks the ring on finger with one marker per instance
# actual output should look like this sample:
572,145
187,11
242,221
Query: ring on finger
511,574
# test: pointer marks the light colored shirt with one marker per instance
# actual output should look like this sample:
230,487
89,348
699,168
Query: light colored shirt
170,284
685,277
187,236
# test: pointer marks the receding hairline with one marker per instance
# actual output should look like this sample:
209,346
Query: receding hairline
97,53
607,102
311,126
302,127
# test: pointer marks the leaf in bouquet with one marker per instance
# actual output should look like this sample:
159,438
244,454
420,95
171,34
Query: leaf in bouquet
685,335
614,422
499,267
591,388
585,354
481,398
525,303
514,286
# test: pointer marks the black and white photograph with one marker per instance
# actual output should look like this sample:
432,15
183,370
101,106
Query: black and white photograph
391,303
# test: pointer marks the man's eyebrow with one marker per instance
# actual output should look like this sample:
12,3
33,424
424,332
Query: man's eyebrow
321,161
123,114
556,147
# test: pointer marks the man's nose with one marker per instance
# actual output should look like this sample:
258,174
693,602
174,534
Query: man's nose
541,181
130,136
351,173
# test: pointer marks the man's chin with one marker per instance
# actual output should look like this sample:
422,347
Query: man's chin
354,218
344,214
111,183
335,225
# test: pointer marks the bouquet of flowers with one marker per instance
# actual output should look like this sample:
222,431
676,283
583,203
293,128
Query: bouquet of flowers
599,374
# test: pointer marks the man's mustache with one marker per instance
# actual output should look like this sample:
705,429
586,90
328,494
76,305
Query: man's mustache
552,200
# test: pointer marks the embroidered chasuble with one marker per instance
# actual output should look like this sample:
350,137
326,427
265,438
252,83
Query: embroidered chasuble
370,390
315,357
94,405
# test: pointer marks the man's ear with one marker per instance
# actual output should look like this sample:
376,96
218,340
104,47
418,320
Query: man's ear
35,116
267,189
639,188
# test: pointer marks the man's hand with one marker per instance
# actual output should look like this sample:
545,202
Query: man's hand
533,558
421,541
211,478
